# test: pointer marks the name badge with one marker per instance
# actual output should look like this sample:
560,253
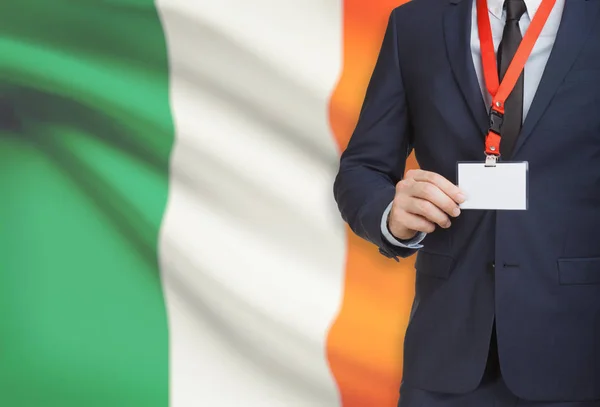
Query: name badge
502,186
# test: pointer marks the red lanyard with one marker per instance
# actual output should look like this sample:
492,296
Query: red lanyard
501,91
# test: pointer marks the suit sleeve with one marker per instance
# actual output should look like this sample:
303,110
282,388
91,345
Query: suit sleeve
375,158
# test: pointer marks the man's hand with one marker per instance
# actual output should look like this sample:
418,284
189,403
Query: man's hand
423,199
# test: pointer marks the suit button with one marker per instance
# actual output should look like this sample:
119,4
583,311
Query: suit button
492,267
385,253
388,254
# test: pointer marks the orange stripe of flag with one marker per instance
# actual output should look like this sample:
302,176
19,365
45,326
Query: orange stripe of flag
364,346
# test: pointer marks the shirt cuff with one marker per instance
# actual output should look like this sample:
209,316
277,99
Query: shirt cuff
413,243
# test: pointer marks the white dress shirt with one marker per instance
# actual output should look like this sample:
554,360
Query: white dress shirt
534,68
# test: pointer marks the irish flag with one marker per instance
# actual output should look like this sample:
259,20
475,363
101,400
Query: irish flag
168,235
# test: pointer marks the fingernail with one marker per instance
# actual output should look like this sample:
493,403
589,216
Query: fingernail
456,212
447,225
461,198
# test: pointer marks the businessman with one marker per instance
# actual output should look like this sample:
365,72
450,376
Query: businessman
507,304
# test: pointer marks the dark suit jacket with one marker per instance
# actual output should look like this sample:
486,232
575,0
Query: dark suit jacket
544,291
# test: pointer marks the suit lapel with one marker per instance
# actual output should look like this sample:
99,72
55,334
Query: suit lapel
578,17
457,33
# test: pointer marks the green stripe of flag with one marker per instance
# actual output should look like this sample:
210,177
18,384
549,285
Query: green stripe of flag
85,137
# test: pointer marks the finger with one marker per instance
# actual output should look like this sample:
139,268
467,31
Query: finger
431,193
429,211
442,183
417,223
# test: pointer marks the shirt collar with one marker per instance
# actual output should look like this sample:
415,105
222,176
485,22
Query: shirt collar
496,7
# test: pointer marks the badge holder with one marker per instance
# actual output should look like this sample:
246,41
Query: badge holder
503,186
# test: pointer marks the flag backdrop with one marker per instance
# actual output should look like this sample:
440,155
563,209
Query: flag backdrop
168,235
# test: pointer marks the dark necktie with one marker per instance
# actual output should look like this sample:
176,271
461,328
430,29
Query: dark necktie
513,107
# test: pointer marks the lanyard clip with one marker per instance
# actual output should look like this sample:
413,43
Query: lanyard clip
492,141
490,160
496,120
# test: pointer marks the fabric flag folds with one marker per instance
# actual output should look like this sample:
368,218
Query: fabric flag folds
168,235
